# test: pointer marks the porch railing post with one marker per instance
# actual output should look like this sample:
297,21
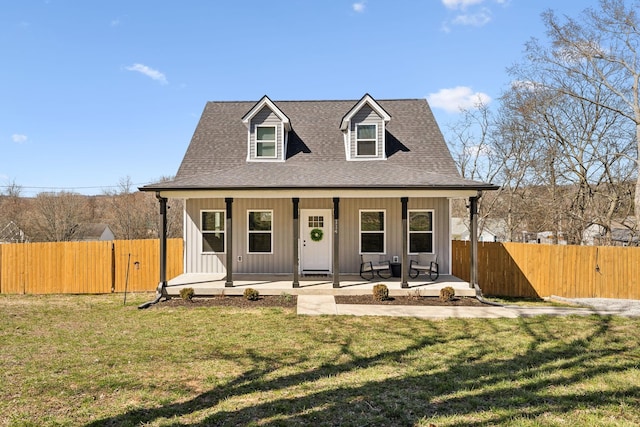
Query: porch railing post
228,230
405,255
296,242
336,242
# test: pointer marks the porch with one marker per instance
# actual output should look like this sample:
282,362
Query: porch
212,284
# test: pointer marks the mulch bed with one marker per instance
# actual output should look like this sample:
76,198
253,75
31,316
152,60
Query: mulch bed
409,300
291,301
232,301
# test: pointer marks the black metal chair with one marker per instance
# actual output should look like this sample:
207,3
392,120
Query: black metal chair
426,263
371,265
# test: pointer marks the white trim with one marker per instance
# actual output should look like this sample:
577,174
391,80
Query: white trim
320,193
202,232
432,232
259,231
275,142
272,106
384,232
366,99
375,141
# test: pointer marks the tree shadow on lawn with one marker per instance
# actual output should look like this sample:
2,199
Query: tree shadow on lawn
476,389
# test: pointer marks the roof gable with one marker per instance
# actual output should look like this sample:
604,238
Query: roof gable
365,100
266,102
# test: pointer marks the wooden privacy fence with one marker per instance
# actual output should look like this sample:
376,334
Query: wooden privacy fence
86,267
532,270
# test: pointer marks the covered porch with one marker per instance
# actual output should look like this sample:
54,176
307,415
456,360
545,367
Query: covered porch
212,284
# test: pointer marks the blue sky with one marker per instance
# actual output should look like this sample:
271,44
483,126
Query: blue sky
94,91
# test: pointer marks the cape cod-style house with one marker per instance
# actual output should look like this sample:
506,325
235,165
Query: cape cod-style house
307,187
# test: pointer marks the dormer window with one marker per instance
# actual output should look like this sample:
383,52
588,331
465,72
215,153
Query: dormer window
364,130
266,142
267,132
366,140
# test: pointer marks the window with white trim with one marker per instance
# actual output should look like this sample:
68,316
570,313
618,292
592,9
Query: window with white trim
260,232
372,232
212,224
366,140
266,142
420,231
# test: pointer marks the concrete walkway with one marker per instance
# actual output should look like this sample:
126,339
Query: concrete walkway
317,305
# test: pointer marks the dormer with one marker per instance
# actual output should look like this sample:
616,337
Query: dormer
364,130
267,129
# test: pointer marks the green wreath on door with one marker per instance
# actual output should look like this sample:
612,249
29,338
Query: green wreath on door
316,234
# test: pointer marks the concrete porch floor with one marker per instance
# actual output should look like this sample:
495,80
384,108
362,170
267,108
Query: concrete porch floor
211,284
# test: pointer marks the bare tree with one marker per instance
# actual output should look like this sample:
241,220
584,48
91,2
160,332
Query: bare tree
134,214
12,214
594,60
56,217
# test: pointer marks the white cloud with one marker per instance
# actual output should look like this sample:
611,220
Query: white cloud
460,4
358,7
19,138
458,98
477,19
149,72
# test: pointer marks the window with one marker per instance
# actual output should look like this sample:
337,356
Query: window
366,144
420,232
372,236
266,141
260,231
212,226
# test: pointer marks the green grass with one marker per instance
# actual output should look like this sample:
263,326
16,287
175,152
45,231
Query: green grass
89,360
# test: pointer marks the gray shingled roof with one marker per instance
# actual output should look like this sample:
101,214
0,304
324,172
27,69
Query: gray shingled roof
417,155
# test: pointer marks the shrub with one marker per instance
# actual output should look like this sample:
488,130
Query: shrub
380,292
415,294
251,294
447,293
286,297
187,294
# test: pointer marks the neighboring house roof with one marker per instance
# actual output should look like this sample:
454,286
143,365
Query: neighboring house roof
88,232
416,153
622,233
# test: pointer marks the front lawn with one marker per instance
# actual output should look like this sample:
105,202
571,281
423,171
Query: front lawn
89,360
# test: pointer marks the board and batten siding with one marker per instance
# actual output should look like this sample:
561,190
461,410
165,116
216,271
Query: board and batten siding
266,117
366,115
350,223
280,261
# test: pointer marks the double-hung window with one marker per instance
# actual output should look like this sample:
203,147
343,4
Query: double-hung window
260,232
420,231
266,142
213,232
372,232
366,140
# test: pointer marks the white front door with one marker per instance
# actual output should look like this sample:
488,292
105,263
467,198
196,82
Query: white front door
315,240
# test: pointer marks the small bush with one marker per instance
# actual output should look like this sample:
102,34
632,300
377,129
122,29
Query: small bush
415,294
187,294
447,294
380,292
286,297
251,294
